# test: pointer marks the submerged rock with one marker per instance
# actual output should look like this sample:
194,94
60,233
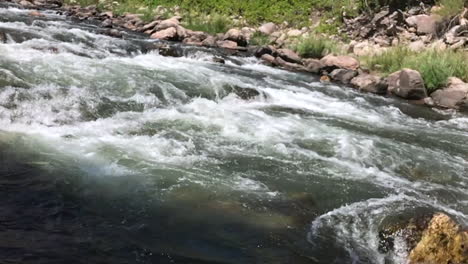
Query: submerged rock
442,242
7,78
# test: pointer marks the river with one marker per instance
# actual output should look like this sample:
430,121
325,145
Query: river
111,153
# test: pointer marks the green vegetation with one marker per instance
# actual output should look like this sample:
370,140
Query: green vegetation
315,47
450,8
213,24
435,66
259,39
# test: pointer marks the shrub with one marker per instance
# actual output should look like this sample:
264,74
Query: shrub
450,8
435,66
259,39
314,47
213,24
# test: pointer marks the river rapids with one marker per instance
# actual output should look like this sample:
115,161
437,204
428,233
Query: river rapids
112,153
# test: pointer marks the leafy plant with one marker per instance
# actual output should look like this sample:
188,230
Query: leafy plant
213,24
449,8
314,47
259,39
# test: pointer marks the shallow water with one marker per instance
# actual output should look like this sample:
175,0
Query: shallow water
113,155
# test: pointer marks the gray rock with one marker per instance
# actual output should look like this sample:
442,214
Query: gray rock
410,85
289,56
313,65
370,83
424,24
453,95
342,75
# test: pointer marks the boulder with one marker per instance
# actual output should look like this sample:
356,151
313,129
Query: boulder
313,65
260,51
289,56
453,95
342,62
409,85
150,26
342,75
288,65
393,80
210,41
424,24
172,22
370,83
237,36
268,59
226,44
268,28
166,34
443,241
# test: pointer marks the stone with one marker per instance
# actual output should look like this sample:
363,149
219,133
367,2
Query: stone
410,85
313,65
226,44
370,83
237,36
342,75
171,51
269,59
260,51
424,24
342,62
288,65
209,41
453,95
289,56
165,34
294,33
443,241
36,14
3,37
268,28
107,23
150,26
172,22
417,46
393,81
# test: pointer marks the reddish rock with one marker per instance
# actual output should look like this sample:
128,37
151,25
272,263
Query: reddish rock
172,22
342,75
165,34
288,65
370,83
343,62
313,65
424,24
268,59
289,56
237,36
210,41
227,44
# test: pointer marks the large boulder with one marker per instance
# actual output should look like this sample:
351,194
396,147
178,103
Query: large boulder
227,44
342,62
408,84
268,28
313,65
342,75
289,56
165,34
424,24
453,96
370,83
168,23
237,36
443,241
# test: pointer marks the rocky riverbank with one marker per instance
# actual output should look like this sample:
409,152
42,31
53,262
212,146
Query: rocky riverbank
416,28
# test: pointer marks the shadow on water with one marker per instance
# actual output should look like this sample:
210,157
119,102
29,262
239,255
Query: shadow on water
52,212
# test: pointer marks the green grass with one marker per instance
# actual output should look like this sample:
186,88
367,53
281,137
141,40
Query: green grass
259,39
315,47
450,8
213,24
435,66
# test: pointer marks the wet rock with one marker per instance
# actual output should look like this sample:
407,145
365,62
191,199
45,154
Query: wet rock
288,65
325,79
218,60
166,34
113,33
3,37
424,24
237,36
342,62
171,51
453,95
289,56
269,59
409,85
313,65
260,51
342,75
244,93
442,242
107,23
268,28
370,83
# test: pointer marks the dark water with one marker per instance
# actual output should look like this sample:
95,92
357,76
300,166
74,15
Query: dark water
113,155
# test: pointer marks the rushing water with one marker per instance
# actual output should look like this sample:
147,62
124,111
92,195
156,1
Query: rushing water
112,155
